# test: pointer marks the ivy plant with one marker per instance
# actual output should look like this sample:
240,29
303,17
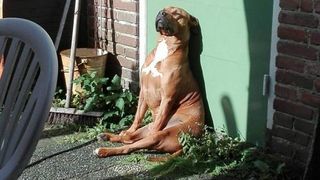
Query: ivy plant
108,96
219,155
105,95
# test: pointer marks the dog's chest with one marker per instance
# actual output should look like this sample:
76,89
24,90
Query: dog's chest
160,55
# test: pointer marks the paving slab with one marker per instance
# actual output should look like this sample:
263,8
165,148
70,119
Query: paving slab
57,158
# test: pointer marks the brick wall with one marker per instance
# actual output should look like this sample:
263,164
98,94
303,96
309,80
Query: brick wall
108,24
113,26
297,86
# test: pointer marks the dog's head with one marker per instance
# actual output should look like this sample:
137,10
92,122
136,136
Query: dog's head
173,21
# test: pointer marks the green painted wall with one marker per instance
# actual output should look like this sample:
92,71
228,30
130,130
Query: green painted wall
236,37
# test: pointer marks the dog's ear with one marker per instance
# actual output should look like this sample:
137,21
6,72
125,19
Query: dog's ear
193,21
194,25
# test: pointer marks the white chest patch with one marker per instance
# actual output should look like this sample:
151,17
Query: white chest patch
160,55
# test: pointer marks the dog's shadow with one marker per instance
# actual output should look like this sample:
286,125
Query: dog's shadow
195,50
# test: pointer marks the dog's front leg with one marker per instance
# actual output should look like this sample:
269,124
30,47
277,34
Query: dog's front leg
141,110
125,136
162,119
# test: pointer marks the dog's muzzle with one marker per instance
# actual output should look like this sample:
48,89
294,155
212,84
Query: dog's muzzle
163,25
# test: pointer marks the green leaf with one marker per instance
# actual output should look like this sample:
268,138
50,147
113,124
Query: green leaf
93,74
116,80
280,168
111,97
129,96
103,81
262,166
109,114
120,104
90,103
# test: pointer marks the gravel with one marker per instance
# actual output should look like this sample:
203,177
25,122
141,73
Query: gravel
55,158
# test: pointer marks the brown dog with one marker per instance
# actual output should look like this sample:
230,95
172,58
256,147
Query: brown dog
1,65
168,89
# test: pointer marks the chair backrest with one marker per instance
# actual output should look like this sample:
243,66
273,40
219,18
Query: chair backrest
27,86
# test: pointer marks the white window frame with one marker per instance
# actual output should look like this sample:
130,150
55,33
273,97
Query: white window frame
272,66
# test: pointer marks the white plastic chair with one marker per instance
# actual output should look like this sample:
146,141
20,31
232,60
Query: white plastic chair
27,87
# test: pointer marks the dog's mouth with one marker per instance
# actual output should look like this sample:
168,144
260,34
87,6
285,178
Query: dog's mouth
165,31
163,27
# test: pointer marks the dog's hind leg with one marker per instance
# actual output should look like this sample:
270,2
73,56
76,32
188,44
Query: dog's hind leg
156,141
128,138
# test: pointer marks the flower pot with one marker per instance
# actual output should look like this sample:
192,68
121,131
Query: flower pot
88,60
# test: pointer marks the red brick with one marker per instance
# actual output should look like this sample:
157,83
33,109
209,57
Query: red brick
313,69
291,135
284,133
301,154
297,50
126,28
131,53
127,40
294,79
304,126
128,17
289,63
317,84
283,120
120,49
310,99
317,6
307,5
285,32
300,19
289,4
286,92
115,48
282,147
129,74
302,139
123,39
125,5
315,37
293,109
127,63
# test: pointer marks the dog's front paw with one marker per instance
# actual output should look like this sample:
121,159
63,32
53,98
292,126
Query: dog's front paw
103,137
103,152
96,152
